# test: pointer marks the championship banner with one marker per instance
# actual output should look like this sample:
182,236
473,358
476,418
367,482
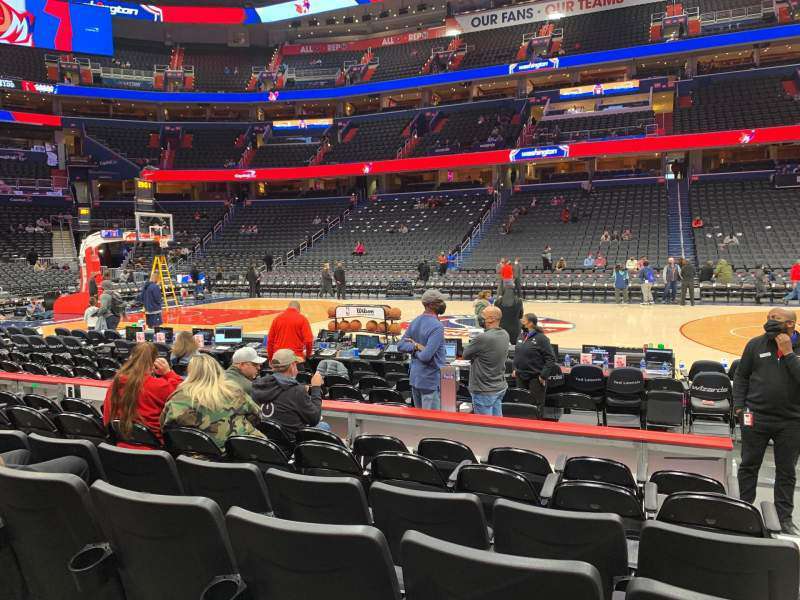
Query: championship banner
537,12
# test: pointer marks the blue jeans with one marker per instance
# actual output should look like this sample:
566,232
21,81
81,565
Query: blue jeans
153,320
488,404
794,294
427,399
670,291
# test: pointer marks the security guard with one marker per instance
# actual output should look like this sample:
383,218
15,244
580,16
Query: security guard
766,397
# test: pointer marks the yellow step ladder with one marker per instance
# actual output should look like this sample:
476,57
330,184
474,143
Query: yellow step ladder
161,267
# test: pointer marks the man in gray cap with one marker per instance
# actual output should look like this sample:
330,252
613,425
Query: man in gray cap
424,340
112,308
245,366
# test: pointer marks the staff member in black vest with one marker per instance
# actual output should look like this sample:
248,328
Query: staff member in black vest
534,359
766,398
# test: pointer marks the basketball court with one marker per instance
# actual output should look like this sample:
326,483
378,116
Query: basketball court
700,332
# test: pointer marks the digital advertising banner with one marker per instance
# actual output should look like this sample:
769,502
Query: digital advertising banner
56,25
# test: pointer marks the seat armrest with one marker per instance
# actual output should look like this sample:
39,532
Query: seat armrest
226,587
733,486
770,516
454,475
650,499
549,487
94,571
561,460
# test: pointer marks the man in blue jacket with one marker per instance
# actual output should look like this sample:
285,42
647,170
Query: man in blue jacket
424,340
153,302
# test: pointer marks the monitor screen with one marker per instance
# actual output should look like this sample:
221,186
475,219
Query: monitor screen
658,356
600,353
364,342
131,331
169,334
228,335
208,334
452,348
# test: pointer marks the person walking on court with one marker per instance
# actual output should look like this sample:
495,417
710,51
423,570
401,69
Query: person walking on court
341,281
487,373
291,330
424,340
621,281
766,400
326,282
794,276
253,282
518,269
442,260
547,258
671,275
511,307
647,277
687,281
268,261
423,271
152,300
534,359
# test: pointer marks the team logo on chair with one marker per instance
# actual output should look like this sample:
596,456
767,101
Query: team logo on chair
465,326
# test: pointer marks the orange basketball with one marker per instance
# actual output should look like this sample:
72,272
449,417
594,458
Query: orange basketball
331,312
372,326
344,325
381,328
331,325
355,325
393,313
394,328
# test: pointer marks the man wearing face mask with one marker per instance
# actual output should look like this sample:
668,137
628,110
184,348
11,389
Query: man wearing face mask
424,340
766,399
534,359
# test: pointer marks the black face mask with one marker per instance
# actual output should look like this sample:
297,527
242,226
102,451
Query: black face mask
775,328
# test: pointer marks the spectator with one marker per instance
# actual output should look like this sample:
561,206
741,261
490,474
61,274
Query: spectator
621,281
317,220
731,240
424,339
687,281
481,302
442,260
547,258
518,270
600,262
451,260
707,271
423,271
627,235
511,307
605,236
615,236
697,223
93,283
341,281
359,249
761,281
90,314
183,350
671,275
253,283
139,392
152,300
39,267
268,261
506,276
534,360
245,367
565,215
207,401
561,264
326,282
402,228
574,215
22,460
588,262
488,352
287,401
647,277
291,330
723,273
631,263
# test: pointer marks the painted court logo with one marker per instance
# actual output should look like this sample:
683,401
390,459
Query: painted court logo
465,326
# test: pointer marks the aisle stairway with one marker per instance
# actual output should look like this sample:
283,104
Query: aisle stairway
64,245
679,225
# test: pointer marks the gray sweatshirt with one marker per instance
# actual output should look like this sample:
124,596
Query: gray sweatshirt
488,353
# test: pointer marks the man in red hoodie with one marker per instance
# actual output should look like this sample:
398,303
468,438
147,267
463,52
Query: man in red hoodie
291,330
794,275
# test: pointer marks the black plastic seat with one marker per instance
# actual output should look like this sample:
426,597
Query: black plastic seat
33,368
490,483
664,409
30,420
192,547
313,499
384,395
407,470
537,532
78,426
710,395
445,454
531,465
368,382
367,446
47,448
522,411
665,384
139,436
332,380
641,588
10,399
78,405
624,395
60,371
325,459
458,518
705,366
186,440
9,366
47,519
151,471
275,432
345,392
41,403
728,566
577,407
86,372
314,434
517,395
227,484
13,440
261,452
670,482
298,561
716,512
589,380
591,496
434,569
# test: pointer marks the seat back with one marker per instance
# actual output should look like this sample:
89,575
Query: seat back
711,386
298,561
140,435
587,379
408,470
41,403
310,499
344,392
10,399
186,440
531,465
31,420
718,564
78,405
367,446
313,434
665,384
80,427
714,512
705,366
445,454
47,519
590,468
457,518
665,408
517,395
151,471
522,411
275,432
491,483
589,496
152,534
226,484
625,381
252,449
434,569
641,588
598,539
670,482
13,440
47,448
385,395
322,458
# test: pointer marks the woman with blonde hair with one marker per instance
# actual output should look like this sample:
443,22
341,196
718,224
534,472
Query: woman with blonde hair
481,302
209,402
139,392
183,350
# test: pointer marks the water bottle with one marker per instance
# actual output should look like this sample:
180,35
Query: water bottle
642,364
605,363
725,364
567,360
140,323
682,368
665,368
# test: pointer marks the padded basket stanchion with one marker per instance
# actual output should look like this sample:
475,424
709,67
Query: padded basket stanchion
95,573
226,587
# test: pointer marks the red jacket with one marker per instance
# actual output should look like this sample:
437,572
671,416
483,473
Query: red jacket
506,272
794,274
290,330
150,404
